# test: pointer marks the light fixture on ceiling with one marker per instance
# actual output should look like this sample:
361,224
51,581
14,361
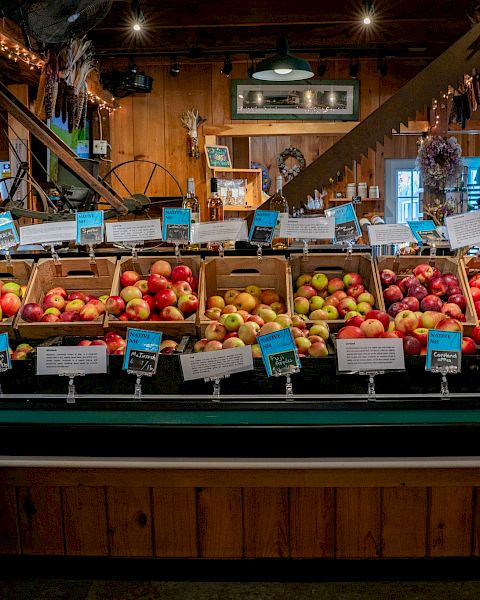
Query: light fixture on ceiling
138,21
321,67
227,65
283,66
354,68
368,12
174,67
382,66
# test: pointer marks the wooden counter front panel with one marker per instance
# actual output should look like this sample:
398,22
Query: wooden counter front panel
237,522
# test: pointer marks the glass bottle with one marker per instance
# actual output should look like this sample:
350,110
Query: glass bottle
279,202
191,202
214,209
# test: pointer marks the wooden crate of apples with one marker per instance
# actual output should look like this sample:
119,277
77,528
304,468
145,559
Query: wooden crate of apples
155,293
333,287
14,279
66,298
418,296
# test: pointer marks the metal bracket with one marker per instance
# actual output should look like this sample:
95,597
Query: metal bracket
71,385
216,385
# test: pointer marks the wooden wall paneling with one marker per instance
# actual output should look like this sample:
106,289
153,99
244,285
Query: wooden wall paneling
357,522
312,522
369,88
85,521
40,518
220,529
222,92
175,519
123,146
9,537
149,136
265,518
404,522
476,522
129,521
191,89
450,521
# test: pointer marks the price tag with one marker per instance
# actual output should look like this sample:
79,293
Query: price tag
59,360
279,353
133,231
5,363
61,231
263,226
141,352
422,230
304,228
209,365
394,233
176,225
216,231
370,354
89,227
444,351
464,229
347,228
8,231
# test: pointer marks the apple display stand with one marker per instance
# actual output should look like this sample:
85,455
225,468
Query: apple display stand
216,386
371,393
444,371
288,384
71,394
137,393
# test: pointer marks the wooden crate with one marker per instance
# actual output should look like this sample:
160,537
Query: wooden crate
336,265
471,266
17,271
73,274
142,265
404,265
236,272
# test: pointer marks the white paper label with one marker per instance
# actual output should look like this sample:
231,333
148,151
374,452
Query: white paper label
315,228
133,231
464,229
61,231
394,233
56,360
216,364
216,231
370,354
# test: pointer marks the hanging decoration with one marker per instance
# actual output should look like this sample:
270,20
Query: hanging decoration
290,172
191,121
439,162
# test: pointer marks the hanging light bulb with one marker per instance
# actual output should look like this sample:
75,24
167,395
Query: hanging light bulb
138,16
174,67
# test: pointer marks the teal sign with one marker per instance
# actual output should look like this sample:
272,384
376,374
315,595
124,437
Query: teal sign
89,227
141,352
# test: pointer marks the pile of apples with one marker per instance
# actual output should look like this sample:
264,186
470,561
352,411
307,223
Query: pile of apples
116,344
321,299
21,352
474,283
11,295
239,316
60,305
166,294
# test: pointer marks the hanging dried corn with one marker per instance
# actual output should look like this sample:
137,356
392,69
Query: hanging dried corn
83,116
62,86
51,83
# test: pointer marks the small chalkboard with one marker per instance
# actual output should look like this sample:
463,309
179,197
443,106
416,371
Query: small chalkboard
263,227
142,361
89,227
176,225
218,156
282,361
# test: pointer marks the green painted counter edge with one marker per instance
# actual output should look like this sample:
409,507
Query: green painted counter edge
245,418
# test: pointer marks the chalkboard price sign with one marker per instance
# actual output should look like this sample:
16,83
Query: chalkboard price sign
279,353
141,353
218,156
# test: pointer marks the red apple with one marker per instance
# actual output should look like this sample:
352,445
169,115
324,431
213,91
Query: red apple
468,346
70,315
392,294
181,288
215,302
356,321
459,300
411,345
372,328
421,333
142,285
437,286
98,304
346,305
396,307
130,292
381,316
406,321
73,296
150,301
123,317
88,313
430,318
350,332
449,324
99,343
306,291
355,290
74,305
477,308
476,334
85,343
32,312
335,284
475,292
187,303
412,303
215,331
10,303
451,310
128,278
161,267
181,273
339,294
424,272
171,313
351,279
137,310
450,280
56,290
165,298
114,305
407,282
50,318
156,282
431,302
392,334
388,277
417,290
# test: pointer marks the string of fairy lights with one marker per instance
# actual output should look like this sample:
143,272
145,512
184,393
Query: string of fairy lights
12,50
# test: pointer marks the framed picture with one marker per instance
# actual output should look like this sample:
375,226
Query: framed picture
218,156
312,100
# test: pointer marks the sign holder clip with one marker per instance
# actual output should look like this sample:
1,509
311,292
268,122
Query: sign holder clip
371,382
137,393
305,248
71,394
216,386
288,384
444,390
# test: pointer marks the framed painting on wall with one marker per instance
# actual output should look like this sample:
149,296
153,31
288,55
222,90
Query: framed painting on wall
313,100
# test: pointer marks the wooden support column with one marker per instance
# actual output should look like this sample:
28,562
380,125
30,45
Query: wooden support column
19,137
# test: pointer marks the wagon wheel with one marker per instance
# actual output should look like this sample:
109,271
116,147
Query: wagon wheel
136,179
16,190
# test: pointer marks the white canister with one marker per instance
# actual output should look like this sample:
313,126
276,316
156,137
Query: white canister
351,190
362,189
374,191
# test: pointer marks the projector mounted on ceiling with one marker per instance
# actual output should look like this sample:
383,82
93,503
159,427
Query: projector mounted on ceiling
124,83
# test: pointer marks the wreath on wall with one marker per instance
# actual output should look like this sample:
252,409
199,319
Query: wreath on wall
290,152
439,160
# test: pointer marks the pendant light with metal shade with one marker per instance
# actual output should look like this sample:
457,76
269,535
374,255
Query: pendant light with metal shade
283,66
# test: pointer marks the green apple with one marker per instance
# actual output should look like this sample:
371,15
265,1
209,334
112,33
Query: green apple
301,305
233,321
332,312
304,279
319,281
316,302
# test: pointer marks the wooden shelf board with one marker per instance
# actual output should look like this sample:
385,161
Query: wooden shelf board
349,200
240,208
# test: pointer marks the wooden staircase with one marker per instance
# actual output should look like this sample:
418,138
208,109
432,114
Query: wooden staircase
418,92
